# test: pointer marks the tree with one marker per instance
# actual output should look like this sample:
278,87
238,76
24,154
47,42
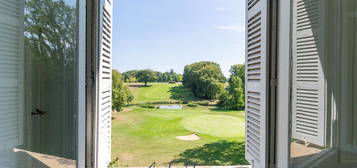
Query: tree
130,76
121,95
178,78
205,79
238,70
233,96
146,76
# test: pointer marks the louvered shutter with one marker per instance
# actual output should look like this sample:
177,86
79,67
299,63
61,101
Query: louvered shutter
308,97
11,73
104,85
256,82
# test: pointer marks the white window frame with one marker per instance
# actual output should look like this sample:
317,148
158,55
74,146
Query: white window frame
283,91
81,120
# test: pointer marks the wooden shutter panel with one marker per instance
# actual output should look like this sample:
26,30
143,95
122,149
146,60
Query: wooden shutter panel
11,73
105,85
308,97
256,82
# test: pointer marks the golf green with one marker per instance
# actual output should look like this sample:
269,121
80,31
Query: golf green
215,125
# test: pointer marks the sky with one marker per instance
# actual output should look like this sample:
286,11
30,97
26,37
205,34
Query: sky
169,34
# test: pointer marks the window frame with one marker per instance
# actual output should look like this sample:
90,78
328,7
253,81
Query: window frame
81,120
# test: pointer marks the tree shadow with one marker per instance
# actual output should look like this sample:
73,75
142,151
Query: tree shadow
214,154
218,109
182,94
138,85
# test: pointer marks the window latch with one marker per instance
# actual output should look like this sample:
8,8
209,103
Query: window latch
39,112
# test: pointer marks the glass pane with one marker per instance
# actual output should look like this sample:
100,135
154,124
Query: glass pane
39,48
324,83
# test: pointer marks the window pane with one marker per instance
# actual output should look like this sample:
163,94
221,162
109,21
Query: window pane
38,90
324,83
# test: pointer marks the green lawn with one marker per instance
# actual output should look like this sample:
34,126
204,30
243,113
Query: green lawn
160,92
141,136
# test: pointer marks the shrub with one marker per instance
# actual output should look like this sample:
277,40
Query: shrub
233,96
147,106
204,103
121,95
192,105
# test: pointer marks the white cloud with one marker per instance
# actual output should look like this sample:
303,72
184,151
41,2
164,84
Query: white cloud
240,29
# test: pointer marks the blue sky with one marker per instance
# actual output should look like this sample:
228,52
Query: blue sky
165,34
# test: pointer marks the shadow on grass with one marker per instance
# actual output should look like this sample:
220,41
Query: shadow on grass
214,154
138,85
218,109
182,94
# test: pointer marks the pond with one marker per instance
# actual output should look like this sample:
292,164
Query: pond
175,106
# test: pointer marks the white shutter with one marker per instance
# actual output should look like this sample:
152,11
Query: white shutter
256,82
308,97
104,85
11,73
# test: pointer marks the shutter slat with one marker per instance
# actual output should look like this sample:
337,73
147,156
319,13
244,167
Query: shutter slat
256,82
105,80
11,69
308,97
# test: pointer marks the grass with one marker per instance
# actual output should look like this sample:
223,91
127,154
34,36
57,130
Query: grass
160,92
141,136
215,125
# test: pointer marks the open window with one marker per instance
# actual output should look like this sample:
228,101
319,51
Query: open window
323,42
309,62
39,82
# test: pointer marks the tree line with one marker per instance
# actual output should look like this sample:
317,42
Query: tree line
205,79
148,75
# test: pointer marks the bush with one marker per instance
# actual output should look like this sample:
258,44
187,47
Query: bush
192,105
148,106
121,95
233,96
185,102
204,103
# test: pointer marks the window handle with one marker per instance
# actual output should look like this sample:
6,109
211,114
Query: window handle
39,112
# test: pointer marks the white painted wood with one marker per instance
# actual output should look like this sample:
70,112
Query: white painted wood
256,82
11,73
81,140
308,92
283,91
104,85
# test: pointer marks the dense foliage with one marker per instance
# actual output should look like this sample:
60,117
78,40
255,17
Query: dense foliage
130,76
205,79
146,76
121,95
171,76
238,70
233,96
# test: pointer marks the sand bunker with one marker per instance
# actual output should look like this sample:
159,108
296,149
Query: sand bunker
192,137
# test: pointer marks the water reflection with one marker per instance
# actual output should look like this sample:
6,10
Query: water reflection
169,106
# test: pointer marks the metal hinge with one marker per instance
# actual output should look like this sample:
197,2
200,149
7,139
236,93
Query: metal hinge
273,82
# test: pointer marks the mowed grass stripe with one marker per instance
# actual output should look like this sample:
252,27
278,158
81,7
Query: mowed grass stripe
215,125
141,136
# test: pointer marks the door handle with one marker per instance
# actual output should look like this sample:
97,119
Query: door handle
39,112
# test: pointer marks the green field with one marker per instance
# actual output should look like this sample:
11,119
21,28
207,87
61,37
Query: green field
141,136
